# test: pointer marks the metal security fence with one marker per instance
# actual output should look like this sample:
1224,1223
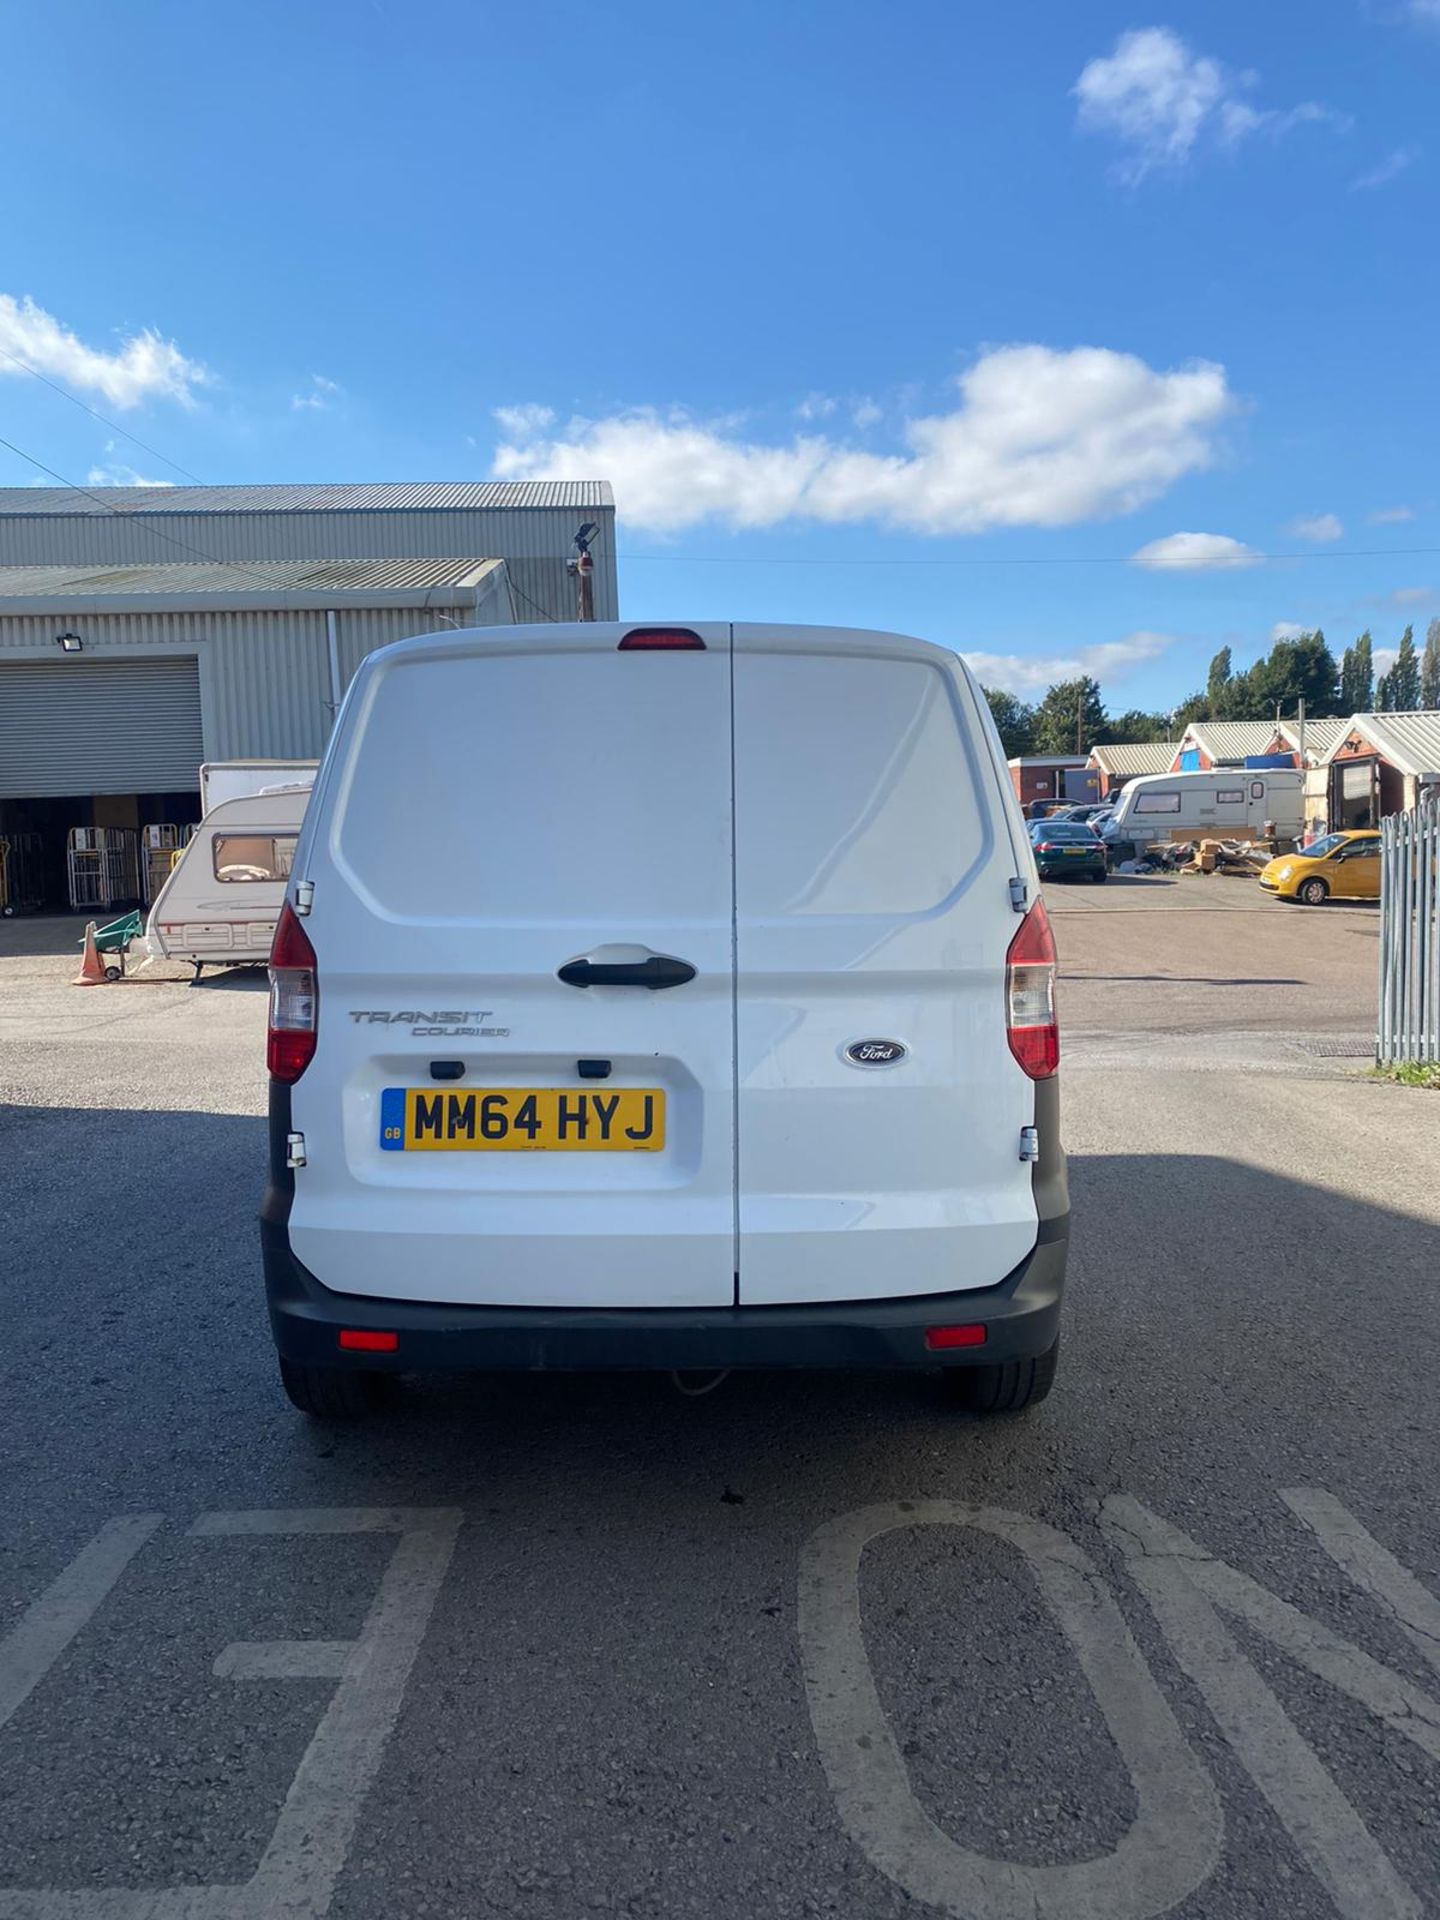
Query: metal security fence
1409,1026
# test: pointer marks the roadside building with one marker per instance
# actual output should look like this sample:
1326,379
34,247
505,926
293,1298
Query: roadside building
1307,747
1052,776
1130,760
1381,764
145,630
1227,743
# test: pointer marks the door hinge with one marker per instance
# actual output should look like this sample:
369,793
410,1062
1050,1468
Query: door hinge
304,896
1029,1143
1020,894
295,1150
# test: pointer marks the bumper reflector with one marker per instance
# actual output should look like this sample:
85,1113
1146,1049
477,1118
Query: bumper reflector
361,1340
939,1339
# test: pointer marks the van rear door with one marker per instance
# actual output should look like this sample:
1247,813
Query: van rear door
873,859
518,835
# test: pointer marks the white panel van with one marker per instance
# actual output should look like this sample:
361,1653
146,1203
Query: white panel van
668,998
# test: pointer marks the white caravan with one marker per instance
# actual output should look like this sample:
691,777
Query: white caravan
222,780
1226,803
223,897
664,997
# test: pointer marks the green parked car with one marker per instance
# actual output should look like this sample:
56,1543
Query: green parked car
1067,850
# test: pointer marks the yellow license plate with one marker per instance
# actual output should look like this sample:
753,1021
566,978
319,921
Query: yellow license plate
522,1120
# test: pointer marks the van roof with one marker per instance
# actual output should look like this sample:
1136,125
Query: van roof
609,633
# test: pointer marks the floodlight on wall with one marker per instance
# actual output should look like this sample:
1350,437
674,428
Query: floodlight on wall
69,643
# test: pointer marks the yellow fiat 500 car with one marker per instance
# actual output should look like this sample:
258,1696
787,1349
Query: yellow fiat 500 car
1342,866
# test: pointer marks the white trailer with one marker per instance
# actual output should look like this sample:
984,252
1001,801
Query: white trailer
1227,803
220,905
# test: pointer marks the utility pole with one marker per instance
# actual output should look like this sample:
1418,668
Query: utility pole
581,563
1080,718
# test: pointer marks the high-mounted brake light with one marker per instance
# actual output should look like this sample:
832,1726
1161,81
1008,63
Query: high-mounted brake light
1030,1020
661,640
294,1000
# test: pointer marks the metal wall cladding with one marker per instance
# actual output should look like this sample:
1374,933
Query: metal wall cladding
264,675
360,630
76,725
536,541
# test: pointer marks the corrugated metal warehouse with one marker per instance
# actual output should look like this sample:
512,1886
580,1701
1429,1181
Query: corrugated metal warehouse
145,630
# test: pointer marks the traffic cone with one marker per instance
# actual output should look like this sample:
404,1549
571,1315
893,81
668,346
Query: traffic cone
92,968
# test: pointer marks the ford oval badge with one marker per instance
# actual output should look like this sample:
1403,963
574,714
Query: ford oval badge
874,1053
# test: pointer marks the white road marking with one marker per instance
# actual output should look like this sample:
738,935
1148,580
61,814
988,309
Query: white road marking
49,1624
1185,1586
296,1877
1372,1567
1174,1844
284,1660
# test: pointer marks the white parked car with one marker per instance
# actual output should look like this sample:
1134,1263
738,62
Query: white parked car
671,998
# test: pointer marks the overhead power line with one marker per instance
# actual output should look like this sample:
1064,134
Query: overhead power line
1019,560
65,394
122,513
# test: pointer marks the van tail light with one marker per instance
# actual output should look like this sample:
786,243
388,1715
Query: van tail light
661,640
1030,1022
294,1000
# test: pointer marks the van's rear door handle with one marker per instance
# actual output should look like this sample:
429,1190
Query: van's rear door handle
658,970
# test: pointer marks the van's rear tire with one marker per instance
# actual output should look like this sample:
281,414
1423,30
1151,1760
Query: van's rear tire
1007,1387
335,1393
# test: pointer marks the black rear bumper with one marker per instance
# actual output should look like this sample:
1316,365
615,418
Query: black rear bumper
1021,1315
1021,1318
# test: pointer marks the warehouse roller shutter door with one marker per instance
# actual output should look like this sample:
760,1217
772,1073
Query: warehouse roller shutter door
70,726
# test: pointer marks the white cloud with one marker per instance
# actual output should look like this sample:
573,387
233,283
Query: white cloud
1394,164
1195,552
865,413
816,406
1425,11
1287,630
1382,659
143,367
1160,100
1412,596
1040,438
318,397
118,476
524,422
1317,526
1108,661
1389,516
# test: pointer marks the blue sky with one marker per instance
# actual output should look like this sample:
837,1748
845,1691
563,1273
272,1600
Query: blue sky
921,316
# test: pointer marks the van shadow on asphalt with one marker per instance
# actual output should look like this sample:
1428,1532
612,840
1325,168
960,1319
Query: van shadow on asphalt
1220,1318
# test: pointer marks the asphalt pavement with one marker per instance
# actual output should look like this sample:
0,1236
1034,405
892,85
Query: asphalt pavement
544,1648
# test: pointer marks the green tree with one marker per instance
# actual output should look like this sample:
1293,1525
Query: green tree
1217,683
1300,669
1014,721
1404,676
1430,667
1071,718
1357,676
1382,694
1197,707
1139,727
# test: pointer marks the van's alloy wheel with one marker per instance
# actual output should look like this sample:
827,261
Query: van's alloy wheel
1007,1387
1314,892
335,1393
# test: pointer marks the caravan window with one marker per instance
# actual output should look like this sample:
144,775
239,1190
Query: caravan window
1230,797
1157,803
253,856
